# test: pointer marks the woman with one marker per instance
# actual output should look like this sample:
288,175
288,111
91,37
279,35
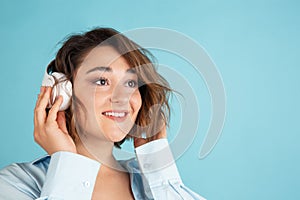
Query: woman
116,94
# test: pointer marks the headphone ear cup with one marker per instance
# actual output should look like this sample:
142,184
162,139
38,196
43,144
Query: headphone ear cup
62,88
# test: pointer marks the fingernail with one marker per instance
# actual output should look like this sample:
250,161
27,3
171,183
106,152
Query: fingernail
41,89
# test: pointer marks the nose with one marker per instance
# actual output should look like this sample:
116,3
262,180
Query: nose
119,95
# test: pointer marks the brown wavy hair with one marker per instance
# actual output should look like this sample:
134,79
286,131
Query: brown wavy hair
154,89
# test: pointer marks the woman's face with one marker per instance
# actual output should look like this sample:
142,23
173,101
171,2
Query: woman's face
108,89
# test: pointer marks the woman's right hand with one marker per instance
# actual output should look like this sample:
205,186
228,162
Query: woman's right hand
50,131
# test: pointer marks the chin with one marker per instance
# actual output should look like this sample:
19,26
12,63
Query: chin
117,131
116,136
117,139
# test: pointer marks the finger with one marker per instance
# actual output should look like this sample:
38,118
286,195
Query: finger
43,90
34,116
36,113
52,115
139,141
162,133
45,97
40,109
61,121
39,95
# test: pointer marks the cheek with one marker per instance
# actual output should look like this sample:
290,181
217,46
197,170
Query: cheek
99,101
136,101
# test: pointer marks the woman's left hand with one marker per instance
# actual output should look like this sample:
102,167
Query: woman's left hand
138,141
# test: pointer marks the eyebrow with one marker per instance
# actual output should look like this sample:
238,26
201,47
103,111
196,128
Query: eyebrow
109,69
102,68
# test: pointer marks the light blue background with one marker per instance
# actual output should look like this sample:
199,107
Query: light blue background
254,44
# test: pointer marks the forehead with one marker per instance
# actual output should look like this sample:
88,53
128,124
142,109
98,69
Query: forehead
103,56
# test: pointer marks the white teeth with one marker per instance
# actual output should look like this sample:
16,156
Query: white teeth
115,114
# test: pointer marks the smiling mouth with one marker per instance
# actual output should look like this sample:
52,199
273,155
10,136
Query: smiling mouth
116,116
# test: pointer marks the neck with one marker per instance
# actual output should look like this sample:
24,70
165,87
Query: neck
100,151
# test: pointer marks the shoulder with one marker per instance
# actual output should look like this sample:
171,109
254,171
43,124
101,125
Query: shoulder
25,177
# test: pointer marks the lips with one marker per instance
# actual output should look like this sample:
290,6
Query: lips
118,116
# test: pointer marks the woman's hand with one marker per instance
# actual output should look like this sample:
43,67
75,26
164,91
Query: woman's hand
50,131
140,141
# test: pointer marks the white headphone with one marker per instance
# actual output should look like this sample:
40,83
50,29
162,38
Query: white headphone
60,86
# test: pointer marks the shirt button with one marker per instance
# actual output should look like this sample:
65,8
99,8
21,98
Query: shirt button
86,184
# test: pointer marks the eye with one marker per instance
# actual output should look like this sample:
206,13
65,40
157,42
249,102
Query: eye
131,83
102,81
